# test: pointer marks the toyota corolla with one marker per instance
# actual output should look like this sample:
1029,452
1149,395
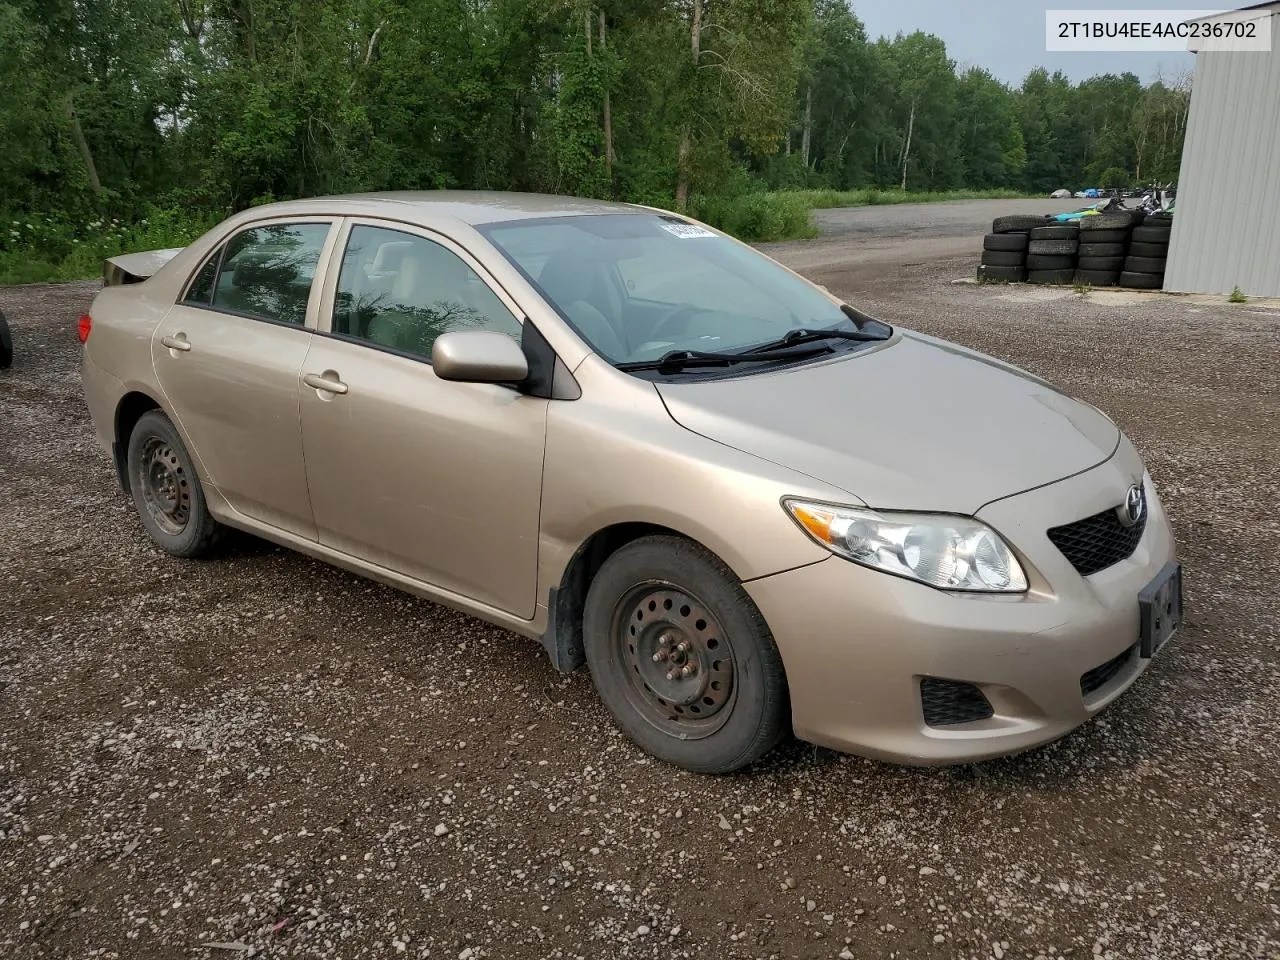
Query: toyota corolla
747,506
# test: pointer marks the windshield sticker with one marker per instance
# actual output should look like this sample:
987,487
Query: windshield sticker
686,231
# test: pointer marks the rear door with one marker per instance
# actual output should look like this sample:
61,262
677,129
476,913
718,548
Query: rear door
436,480
228,357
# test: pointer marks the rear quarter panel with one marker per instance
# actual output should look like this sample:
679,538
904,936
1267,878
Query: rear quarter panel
117,355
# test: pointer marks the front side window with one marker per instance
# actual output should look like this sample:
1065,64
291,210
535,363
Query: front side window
401,291
267,271
637,286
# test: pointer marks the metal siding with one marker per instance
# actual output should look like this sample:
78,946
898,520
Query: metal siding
1227,229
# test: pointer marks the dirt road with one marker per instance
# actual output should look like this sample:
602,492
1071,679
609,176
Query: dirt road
907,233
264,753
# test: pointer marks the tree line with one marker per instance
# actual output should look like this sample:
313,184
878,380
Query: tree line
111,105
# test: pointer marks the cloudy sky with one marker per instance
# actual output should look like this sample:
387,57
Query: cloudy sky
1007,36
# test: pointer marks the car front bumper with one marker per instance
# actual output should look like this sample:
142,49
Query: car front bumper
856,642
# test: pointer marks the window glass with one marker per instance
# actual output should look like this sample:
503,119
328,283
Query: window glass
201,289
267,271
401,291
637,286
669,276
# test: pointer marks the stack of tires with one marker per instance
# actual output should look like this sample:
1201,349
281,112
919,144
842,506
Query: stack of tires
1051,253
1147,253
1104,241
1004,249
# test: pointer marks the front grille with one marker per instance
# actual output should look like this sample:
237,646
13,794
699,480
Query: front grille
950,701
1096,542
1101,675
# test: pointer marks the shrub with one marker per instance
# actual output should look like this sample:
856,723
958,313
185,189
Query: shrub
757,216
43,249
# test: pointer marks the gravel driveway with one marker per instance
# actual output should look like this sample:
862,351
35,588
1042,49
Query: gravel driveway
260,754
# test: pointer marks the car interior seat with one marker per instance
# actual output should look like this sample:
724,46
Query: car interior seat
425,300
581,288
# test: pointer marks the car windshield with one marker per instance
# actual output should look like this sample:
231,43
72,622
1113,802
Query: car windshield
638,286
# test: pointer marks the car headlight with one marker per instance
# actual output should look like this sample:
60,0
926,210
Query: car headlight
948,552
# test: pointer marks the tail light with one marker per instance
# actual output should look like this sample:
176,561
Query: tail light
85,326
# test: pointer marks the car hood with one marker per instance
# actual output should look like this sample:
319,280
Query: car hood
915,424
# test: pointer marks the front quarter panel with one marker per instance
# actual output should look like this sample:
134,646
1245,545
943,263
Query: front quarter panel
616,456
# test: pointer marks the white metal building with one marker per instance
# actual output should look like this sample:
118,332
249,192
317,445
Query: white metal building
1226,231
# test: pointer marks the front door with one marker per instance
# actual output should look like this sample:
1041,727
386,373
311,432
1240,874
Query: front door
228,357
435,480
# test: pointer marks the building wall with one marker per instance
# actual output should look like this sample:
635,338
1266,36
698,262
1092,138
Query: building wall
1226,230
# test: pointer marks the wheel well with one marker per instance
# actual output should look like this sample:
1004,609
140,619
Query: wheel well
563,638
128,412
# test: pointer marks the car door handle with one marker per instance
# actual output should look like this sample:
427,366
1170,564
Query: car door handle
177,342
327,381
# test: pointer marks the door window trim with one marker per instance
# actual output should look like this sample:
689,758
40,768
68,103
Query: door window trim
333,270
185,301
318,281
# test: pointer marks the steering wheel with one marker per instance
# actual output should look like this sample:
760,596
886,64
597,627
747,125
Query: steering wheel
679,314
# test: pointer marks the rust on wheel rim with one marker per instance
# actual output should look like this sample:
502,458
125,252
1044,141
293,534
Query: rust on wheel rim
166,489
678,662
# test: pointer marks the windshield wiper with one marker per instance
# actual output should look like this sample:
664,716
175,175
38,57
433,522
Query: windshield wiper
804,335
673,361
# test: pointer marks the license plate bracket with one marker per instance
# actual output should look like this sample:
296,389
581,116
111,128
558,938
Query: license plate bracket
1160,603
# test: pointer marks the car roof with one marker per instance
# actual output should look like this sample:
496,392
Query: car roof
472,207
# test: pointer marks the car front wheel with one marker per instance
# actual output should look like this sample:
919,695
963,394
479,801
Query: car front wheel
166,490
682,658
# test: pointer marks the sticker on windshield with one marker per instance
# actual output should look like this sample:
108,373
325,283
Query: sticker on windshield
686,231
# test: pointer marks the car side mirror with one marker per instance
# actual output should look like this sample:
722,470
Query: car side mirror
478,356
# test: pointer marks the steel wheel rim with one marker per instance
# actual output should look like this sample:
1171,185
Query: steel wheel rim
166,489
679,664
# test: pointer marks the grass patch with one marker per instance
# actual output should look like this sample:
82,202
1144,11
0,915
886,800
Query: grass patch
870,197
785,214
45,250
1237,296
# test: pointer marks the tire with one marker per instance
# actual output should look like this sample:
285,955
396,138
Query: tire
1098,278
1101,264
1144,264
1004,241
1052,247
1037,262
1101,250
1160,250
6,344
994,274
734,648
1104,236
1060,231
1013,224
1150,234
186,528
1105,221
1003,258
1142,281
1059,277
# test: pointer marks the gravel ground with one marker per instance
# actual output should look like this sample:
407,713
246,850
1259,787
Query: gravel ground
258,754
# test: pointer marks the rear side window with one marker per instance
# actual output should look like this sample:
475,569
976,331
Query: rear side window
201,289
267,271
